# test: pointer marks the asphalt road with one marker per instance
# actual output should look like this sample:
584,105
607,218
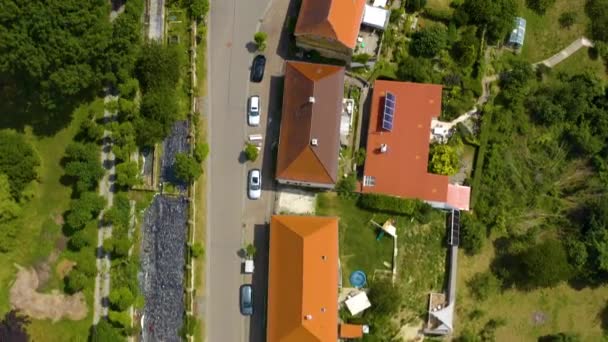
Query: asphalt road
232,24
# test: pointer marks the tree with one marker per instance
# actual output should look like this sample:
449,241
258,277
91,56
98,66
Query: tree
187,169
546,264
128,89
484,285
260,40
444,160
199,8
598,13
159,66
540,6
9,209
13,327
197,250
250,250
90,130
121,298
414,5
83,164
159,111
18,159
567,19
104,332
465,50
429,41
84,209
251,152
119,319
119,246
495,16
414,69
360,156
473,234
127,174
560,337
80,240
59,70
201,151
86,263
346,186
75,281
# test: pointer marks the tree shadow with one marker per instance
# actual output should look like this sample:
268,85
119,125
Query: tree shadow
603,317
251,47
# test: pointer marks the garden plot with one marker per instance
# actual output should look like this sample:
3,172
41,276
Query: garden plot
162,268
176,142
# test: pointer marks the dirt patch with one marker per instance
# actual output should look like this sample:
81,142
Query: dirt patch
411,332
43,269
58,219
53,306
295,201
64,267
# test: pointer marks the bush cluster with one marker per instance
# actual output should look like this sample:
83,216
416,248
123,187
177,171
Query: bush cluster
393,205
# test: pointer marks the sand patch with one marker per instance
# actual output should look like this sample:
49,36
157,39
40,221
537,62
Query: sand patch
54,306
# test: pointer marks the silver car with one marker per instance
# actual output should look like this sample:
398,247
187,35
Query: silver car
254,184
246,300
253,112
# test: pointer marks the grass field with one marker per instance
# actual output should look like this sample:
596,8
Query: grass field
544,36
564,308
178,33
421,256
40,226
439,4
580,62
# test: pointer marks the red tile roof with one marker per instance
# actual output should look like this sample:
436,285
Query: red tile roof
303,279
402,170
333,19
302,121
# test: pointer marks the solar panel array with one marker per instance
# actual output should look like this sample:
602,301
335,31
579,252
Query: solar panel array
389,111
454,238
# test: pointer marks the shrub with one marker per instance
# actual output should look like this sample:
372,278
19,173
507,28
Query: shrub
187,169
414,5
251,152
360,156
443,160
127,174
119,319
75,281
197,250
260,40
472,234
567,19
390,204
361,58
346,186
121,298
484,285
429,41
540,6
80,240
201,151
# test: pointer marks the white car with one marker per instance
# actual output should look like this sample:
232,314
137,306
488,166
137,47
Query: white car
253,111
254,184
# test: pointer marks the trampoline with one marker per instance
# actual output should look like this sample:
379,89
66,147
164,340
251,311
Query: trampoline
358,279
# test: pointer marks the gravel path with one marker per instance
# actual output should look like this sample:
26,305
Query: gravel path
162,268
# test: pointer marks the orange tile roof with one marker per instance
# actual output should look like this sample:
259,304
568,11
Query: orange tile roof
351,331
402,170
303,279
301,121
333,19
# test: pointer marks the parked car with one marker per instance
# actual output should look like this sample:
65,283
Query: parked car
253,111
255,184
257,68
246,300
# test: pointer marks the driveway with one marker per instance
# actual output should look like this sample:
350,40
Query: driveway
231,216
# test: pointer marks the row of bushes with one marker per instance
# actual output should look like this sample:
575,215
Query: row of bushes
393,205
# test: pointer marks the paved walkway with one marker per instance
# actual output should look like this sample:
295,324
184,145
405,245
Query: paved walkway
565,53
106,189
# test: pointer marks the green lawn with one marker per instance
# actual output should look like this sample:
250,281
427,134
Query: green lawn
565,308
580,62
178,32
439,4
421,256
40,224
544,36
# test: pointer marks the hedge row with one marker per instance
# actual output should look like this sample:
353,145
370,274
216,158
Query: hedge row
393,205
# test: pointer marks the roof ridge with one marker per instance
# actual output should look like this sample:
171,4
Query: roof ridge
320,162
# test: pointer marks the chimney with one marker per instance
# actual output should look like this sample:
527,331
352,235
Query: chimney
308,317
314,142
383,148
311,99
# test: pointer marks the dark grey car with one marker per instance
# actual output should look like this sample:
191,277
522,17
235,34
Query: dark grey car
257,68
246,300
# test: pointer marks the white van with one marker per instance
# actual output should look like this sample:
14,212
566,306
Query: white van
253,112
